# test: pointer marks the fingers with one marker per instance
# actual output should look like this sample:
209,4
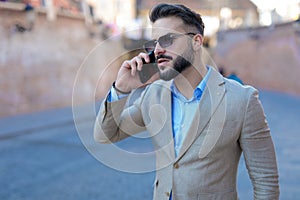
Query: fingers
128,78
136,63
139,62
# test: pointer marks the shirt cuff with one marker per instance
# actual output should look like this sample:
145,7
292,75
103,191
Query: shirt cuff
113,96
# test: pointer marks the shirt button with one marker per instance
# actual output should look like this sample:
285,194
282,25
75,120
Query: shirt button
167,193
176,166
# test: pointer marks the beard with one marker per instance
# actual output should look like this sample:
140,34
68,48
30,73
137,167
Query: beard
181,63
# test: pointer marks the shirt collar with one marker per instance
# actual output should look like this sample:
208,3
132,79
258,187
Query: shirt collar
198,90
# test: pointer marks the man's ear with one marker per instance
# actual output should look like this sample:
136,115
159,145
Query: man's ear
197,42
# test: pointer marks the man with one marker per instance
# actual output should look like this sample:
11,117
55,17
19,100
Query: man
200,122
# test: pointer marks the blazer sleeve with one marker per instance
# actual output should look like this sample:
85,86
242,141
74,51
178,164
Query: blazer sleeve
258,150
119,119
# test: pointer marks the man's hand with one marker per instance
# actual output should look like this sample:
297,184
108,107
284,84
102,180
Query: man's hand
128,78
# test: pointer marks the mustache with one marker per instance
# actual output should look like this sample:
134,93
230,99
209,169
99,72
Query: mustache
164,56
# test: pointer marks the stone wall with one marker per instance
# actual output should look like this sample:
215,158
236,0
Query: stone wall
266,57
38,67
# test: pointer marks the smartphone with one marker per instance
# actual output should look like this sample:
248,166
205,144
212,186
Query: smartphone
149,69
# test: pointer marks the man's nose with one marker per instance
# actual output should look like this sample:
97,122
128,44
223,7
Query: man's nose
158,50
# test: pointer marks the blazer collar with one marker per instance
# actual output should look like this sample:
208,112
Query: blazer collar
209,105
210,101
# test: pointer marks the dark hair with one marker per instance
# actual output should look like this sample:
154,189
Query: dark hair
188,16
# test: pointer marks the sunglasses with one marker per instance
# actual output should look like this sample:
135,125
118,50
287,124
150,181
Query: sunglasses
164,41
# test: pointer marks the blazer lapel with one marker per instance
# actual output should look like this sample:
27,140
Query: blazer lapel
210,100
164,139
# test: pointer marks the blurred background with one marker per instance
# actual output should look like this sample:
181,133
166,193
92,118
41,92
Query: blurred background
44,42
57,52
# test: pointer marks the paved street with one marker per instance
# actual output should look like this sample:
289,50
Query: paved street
43,158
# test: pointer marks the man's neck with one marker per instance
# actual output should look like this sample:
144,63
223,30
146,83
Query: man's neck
189,79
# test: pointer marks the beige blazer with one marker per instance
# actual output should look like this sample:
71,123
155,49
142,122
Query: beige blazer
229,120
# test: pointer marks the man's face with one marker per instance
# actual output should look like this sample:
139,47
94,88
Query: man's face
177,55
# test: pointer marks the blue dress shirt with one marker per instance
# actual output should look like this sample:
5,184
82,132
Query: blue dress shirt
183,111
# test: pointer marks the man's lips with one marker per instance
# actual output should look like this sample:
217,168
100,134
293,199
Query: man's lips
163,59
